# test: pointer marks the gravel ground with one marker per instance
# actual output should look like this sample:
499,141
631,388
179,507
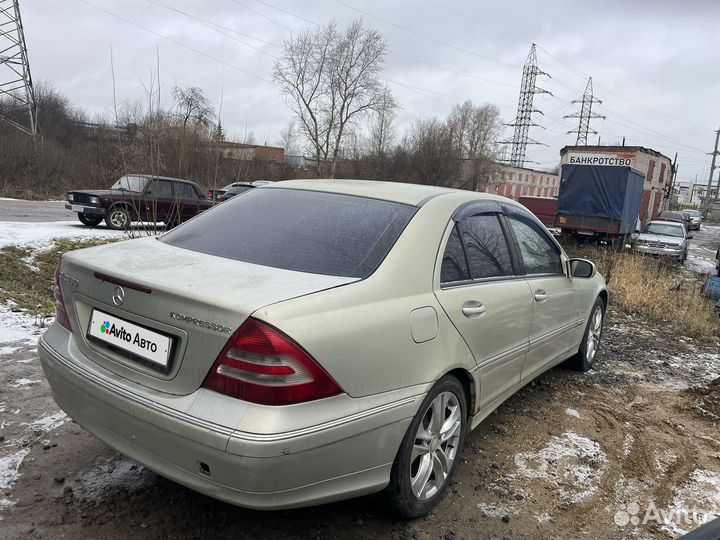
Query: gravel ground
571,455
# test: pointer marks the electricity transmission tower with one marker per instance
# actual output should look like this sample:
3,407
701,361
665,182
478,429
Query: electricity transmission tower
585,114
17,98
525,110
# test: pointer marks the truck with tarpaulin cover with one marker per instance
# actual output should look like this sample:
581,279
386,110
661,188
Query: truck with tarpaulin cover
600,202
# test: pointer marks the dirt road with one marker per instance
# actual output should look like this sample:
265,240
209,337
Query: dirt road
572,455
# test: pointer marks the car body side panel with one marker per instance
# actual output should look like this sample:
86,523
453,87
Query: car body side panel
554,321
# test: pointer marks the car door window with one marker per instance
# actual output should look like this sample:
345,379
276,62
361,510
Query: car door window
454,264
160,188
186,191
540,255
487,250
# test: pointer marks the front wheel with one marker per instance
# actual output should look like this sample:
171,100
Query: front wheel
430,451
90,221
585,356
118,218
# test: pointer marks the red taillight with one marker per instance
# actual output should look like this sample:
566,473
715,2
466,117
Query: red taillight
262,365
61,315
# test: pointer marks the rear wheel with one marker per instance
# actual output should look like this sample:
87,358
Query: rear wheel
118,218
430,451
585,356
90,221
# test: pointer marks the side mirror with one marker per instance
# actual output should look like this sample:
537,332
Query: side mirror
581,268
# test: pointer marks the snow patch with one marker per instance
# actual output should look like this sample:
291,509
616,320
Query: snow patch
573,464
18,326
17,383
53,421
628,444
701,494
494,511
7,351
544,518
42,234
572,412
9,466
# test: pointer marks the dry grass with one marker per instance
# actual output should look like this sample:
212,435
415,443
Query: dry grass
656,289
26,277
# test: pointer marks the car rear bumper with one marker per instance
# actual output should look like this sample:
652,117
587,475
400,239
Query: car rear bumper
662,252
315,465
84,209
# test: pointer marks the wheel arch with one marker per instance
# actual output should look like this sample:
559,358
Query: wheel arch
468,383
603,295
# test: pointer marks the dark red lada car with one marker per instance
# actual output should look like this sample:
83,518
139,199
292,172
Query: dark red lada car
139,197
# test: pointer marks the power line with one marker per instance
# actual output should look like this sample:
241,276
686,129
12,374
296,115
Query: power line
217,27
176,42
567,66
423,36
263,16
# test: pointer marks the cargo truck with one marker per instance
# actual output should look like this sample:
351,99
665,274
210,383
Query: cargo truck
544,208
599,202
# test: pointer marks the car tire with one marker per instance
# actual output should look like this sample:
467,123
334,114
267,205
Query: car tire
424,455
118,218
90,221
587,352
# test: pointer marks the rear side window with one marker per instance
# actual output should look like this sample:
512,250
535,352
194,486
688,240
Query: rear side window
454,264
487,251
307,231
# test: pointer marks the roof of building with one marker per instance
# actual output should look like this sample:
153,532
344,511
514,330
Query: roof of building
537,171
612,149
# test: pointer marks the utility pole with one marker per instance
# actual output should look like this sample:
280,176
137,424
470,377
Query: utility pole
714,154
17,96
585,114
525,110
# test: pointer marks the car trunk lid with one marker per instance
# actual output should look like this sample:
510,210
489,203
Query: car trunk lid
150,289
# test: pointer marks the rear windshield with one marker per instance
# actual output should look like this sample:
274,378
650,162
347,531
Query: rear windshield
307,231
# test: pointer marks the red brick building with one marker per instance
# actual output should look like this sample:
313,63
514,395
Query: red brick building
516,182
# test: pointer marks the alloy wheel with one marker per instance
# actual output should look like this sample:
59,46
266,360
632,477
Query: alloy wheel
436,446
593,335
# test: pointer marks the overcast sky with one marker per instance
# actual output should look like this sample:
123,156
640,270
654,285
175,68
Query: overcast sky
655,64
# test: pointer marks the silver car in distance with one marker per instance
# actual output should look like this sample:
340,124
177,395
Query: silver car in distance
315,340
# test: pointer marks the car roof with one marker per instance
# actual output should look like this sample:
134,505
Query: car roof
412,194
158,177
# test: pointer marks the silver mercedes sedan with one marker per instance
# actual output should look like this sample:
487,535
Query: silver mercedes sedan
315,340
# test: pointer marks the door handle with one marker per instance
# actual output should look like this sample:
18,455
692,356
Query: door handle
473,309
540,295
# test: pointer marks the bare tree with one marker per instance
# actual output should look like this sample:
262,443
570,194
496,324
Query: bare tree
383,131
288,139
192,108
475,128
330,79
432,153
